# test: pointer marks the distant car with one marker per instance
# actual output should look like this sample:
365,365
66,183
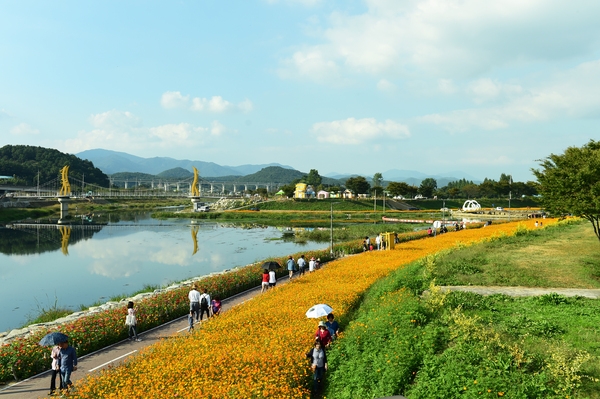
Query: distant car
445,210
499,208
419,196
204,208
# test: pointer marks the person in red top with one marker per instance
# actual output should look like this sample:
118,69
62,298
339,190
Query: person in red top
323,335
265,280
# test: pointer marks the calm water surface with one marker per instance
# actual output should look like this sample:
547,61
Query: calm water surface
81,265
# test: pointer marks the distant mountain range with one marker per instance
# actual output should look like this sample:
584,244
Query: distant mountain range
112,162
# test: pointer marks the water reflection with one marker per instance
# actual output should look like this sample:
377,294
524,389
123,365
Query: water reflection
120,254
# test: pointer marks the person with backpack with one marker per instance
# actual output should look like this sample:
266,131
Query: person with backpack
204,304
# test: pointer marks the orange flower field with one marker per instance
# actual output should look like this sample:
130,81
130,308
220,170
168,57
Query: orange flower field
257,349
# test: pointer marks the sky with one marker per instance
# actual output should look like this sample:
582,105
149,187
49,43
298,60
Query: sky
352,87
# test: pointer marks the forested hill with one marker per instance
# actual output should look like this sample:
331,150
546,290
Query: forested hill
273,174
24,162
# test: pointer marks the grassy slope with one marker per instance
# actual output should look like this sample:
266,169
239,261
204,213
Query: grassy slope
432,354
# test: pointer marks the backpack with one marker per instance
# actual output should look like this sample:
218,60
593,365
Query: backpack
203,302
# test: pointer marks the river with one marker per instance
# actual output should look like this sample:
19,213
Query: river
108,255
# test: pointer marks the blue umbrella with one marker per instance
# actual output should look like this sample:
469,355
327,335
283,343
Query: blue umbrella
53,338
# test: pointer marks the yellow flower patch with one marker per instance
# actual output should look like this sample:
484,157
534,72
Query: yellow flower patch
257,349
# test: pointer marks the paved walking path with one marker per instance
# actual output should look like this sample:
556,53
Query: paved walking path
525,291
39,385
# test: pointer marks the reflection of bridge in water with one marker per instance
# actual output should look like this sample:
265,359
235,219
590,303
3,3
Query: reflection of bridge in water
47,238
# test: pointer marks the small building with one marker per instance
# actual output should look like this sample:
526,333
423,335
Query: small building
300,191
348,194
323,194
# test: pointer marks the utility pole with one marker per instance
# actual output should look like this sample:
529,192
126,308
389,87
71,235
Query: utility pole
375,200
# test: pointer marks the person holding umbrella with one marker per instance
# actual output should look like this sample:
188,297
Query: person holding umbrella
68,363
54,339
272,278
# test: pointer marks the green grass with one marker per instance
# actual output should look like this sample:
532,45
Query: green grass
399,342
561,257
13,214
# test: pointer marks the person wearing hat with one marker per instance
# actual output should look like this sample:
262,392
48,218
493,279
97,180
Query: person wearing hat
312,264
323,335
291,265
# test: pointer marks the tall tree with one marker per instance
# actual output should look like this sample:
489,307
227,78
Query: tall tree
313,178
377,179
358,185
427,187
398,188
570,183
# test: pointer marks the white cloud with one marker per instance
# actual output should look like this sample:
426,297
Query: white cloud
216,104
246,106
483,90
114,119
358,131
450,39
174,99
311,64
385,85
23,129
178,134
217,128
447,86
118,130
569,94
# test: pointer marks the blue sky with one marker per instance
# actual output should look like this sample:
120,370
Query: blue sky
339,86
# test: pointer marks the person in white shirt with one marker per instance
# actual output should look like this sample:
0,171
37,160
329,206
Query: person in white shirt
272,278
194,297
312,264
378,241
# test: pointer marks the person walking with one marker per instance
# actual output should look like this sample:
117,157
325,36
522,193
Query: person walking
194,297
318,364
204,304
312,265
272,278
291,265
323,335
131,322
333,326
55,355
68,364
301,265
265,281
378,241
191,321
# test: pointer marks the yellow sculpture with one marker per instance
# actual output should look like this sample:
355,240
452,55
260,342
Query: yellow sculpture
66,187
195,239
195,192
66,233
